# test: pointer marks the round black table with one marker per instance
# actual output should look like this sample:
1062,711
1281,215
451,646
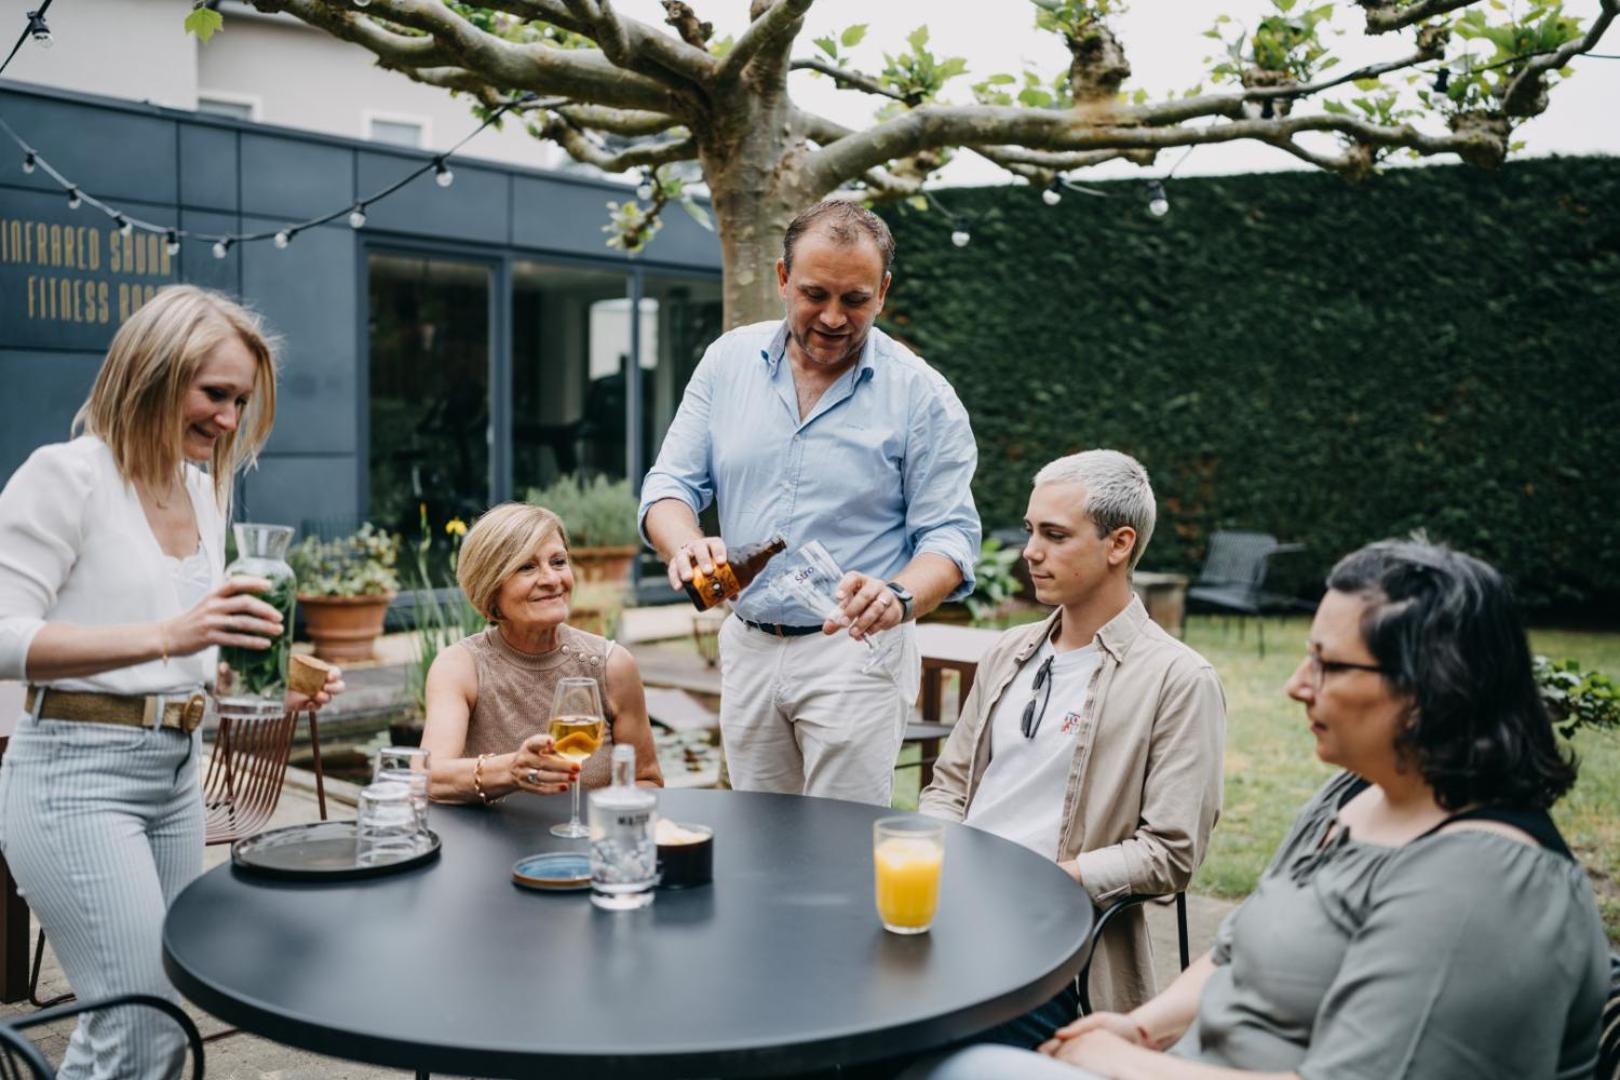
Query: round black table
779,967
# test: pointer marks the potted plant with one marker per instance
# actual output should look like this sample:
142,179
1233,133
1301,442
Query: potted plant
344,588
600,516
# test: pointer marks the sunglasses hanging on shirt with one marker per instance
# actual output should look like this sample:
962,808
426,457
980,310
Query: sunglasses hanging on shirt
1042,692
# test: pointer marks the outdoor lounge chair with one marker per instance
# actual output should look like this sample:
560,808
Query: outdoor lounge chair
21,1058
1234,575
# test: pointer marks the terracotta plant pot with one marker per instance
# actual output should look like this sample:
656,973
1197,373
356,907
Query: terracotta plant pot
606,564
344,628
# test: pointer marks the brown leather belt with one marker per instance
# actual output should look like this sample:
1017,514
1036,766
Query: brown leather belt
130,710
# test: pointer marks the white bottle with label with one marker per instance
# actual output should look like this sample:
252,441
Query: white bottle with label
624,851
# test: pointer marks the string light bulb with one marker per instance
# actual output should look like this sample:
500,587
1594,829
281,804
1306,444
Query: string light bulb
362,3
29,162
75,200
1052,195
645,190
357,217
283,238
442,174
222,247
1158,201
1442,80
1267,110
171,242
960,237
40,32
124,227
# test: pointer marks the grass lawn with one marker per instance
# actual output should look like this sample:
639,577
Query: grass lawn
1271,769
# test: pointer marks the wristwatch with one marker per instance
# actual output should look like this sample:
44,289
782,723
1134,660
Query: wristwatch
905,599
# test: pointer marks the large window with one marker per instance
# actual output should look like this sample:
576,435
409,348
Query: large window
571,349
430,361
681,317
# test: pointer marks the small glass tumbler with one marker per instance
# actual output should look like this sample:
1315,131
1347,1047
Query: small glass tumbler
907,856
384,825
407,765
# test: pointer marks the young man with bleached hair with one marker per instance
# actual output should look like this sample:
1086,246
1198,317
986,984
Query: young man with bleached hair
1092,737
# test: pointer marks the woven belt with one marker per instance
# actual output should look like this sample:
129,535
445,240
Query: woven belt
782,631
129,710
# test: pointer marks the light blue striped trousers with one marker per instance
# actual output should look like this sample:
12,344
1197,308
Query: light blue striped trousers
102,827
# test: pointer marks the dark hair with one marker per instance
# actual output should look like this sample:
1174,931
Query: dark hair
1445,629
845,222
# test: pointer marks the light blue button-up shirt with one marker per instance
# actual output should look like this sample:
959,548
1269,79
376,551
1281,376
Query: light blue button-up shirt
879,472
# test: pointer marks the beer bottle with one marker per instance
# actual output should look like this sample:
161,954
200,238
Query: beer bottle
735,575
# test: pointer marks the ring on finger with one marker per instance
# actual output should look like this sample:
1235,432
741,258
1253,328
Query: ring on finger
534,776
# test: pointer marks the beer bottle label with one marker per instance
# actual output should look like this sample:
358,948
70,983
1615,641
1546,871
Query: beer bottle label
706,591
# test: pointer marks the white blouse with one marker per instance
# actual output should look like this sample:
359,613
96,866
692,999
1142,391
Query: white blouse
75,547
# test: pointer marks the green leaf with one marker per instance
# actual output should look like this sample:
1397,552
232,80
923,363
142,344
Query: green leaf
1035,99
699,215
1000,79
952,67
918,38
1284,5
1367,84
1336,108
828,46
205,23
1139,98
918,202
852,37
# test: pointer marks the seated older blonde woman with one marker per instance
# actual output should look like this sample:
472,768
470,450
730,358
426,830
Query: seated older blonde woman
489,695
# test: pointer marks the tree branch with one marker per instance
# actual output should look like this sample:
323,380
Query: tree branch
1044,160
581,148
843,77
1386,15
619,121
394,49
768,37
1526,95
582,74
1072,130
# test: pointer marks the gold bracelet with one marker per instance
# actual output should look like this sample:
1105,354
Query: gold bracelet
478,779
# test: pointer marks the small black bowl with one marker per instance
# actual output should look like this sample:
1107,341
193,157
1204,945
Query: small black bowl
682,866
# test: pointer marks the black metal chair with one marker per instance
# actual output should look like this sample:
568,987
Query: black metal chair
1233,577
1114,911
21,1058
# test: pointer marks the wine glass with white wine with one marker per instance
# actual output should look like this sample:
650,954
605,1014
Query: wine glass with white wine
576,732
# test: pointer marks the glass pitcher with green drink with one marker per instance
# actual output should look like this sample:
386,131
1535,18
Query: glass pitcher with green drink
253,682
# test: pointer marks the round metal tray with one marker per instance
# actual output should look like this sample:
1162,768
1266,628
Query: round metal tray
323,851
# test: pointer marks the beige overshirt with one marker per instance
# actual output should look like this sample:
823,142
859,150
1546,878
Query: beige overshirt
1144,786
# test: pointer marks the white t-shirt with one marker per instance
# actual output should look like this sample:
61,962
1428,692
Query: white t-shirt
1021,795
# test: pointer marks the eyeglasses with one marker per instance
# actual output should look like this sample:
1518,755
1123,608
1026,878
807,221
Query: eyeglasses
1032,715
1320,668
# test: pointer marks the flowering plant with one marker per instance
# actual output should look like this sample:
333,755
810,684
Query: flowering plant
360,564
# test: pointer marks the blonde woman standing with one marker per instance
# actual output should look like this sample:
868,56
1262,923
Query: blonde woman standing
112,603
489,695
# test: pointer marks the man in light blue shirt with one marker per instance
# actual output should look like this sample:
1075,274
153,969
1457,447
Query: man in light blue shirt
821,427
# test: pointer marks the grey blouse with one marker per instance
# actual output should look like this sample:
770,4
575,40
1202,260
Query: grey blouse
1463,954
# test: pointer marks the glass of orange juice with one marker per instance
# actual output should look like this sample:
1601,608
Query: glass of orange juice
907,855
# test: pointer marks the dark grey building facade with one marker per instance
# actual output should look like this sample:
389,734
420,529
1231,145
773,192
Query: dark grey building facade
466,344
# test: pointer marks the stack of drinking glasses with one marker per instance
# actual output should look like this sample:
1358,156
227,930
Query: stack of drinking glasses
391,821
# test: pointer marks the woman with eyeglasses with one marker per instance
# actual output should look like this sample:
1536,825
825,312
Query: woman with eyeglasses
1423,918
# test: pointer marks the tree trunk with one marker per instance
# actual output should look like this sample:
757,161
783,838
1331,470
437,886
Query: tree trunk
750,243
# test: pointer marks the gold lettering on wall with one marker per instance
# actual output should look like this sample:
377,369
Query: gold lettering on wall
67,252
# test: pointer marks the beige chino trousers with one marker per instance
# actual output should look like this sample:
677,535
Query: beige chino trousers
800,716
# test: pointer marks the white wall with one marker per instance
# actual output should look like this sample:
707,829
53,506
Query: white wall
308,79
133,49
299,77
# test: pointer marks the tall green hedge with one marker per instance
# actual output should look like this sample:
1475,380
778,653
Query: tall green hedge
1437,348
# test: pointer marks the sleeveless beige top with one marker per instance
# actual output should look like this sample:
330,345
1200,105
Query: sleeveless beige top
515,691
